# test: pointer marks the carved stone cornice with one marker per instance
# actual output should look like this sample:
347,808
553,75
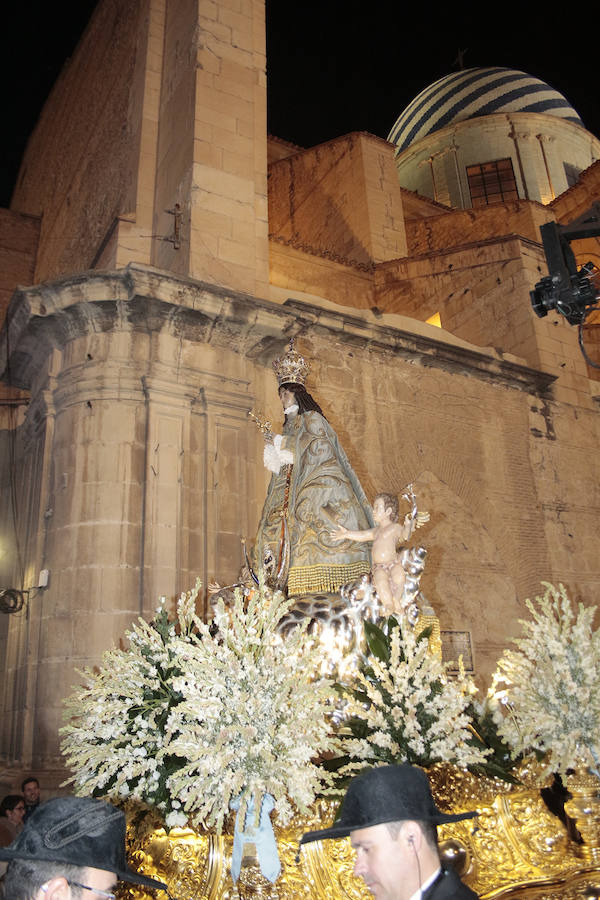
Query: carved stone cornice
486,364
139,298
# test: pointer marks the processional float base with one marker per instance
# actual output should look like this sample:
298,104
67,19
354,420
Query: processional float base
515,849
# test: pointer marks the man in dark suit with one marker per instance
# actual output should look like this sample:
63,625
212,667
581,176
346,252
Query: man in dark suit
391,818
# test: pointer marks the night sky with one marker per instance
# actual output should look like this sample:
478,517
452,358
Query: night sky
333,66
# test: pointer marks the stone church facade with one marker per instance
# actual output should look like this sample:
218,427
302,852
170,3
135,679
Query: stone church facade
160,251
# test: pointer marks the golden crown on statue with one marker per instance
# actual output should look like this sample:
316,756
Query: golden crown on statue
291,368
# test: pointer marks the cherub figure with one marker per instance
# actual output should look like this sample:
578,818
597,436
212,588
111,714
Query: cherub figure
389,576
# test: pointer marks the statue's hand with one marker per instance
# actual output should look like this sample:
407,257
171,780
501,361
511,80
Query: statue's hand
275,455
339,534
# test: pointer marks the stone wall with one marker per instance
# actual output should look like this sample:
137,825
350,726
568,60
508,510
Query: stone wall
277,148
152,145
300,268
19,236
143,471
79,172
212,151
475,268
456,227
481,292
579,198
341,197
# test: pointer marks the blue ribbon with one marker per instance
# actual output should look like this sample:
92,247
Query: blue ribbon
262,837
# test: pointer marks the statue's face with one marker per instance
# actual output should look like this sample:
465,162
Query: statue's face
380,513
288,398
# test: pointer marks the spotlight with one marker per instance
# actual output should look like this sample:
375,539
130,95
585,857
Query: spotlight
571,292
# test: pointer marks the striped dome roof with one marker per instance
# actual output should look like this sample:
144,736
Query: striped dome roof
477,92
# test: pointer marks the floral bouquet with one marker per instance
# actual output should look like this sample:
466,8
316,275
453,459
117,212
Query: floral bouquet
403,707
546,694
192,718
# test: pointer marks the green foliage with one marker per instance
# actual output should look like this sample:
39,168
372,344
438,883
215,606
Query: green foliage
500,763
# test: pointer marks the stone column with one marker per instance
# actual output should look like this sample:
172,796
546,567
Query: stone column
134,462
196,484
212,143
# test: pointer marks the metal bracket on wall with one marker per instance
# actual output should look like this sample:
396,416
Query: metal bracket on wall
177,216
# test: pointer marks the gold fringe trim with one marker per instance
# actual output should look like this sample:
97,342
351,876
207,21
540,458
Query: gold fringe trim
324,579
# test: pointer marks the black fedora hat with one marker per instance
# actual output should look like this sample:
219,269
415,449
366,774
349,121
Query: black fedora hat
386,794
78,831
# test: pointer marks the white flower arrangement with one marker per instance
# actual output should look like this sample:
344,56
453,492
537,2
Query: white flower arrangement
192,716
403,707
545,694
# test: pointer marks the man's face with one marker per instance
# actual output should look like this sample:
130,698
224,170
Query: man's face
31,792
386,864
99,880
97,884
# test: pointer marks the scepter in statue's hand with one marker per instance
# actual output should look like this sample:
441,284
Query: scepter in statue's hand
264,426
274,454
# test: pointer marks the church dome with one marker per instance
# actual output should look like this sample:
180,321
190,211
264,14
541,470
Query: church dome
477,92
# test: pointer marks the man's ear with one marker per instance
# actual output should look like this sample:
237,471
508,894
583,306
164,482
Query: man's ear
56,888
412,835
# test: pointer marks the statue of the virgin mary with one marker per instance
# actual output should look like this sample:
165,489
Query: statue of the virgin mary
313,490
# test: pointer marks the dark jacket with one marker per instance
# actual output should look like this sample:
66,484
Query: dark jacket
448,886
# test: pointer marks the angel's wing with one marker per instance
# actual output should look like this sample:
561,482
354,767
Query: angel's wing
421,518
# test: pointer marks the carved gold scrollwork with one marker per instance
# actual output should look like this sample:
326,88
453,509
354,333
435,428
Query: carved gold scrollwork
514,849
192,864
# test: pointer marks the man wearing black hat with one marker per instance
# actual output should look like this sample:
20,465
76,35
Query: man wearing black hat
391,818
71,848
